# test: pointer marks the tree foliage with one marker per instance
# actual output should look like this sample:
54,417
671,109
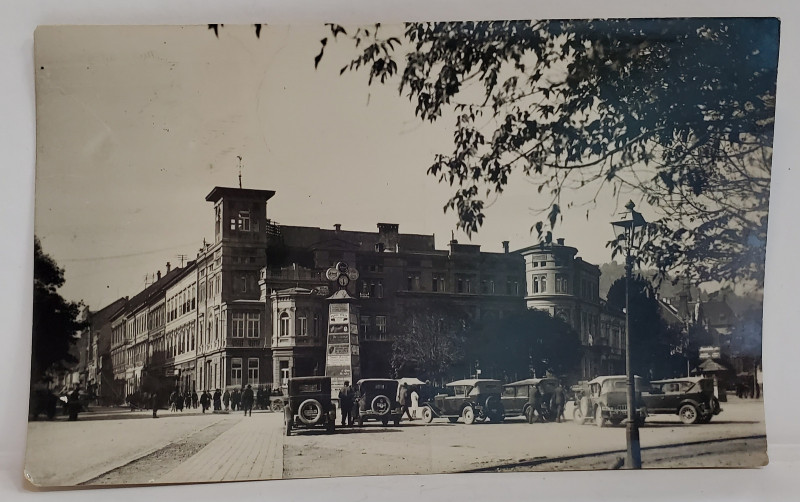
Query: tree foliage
656,346
530,342
428,340
678,112
55,320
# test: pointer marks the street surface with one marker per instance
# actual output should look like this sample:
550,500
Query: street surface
123,447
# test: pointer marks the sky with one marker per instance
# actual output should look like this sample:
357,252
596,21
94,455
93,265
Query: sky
136,125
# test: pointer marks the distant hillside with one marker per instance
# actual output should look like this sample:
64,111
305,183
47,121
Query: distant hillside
610,272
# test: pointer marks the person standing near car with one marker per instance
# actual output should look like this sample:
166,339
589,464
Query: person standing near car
346,403
558,402
414,401
535,405
404,398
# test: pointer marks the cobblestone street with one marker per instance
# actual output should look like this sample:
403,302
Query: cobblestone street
130,447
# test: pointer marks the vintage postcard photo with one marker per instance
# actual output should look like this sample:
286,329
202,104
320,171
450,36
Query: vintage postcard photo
272,252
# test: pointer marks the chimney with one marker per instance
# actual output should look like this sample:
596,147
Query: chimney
158,275
560,241
337,227
505,247
168,267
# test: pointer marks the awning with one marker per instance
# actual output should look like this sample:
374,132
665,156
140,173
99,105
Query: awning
711,366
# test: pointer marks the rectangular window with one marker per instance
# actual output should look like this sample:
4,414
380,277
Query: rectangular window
365,321
460,285
380,323
302,326
544,284
236,371
253,324
244,221
237,324
252,370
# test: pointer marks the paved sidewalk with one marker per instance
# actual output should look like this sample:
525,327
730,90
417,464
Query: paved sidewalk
250,450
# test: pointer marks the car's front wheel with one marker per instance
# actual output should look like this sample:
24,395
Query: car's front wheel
577,416
688,414
599,419
469,415
427,415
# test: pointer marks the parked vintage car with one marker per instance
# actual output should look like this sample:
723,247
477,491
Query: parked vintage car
42,401
473,400
308,404
691,398
605,400
515,397
377,400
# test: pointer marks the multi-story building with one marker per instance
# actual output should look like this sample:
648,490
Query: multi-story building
566,286
396,274
232,320
136,330
100,377
177,345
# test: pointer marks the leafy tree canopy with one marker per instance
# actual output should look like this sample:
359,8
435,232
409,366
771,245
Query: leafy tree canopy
655,344
428,340
55,320
677,111
529,342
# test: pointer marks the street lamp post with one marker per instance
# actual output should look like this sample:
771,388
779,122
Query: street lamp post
626,227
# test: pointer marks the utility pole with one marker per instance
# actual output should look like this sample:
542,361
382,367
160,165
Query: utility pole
240,170
182,258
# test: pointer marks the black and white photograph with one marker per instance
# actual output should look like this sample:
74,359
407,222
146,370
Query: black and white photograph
269,252
520,251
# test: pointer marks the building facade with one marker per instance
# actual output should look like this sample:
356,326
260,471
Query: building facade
566,286
231,318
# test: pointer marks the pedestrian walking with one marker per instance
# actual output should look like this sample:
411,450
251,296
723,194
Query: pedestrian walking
226,399
173,401
247,401
205,400
217,400
154,404
187,400
404,398
236,399
194,399
346,403
558,401
74,404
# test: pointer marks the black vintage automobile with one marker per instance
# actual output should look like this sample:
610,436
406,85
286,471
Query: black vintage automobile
473,400
308,404
691,398
515,398
377,400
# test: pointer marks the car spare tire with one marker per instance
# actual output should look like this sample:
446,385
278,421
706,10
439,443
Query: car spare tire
310,412
381,405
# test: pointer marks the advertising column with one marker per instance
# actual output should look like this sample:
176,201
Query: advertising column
342,358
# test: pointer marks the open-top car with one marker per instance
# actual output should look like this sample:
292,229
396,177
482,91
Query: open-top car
515,397
308,404
377,400
605,400
691,398
473,400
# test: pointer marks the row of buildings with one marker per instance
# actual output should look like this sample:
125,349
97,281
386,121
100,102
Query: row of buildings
252,307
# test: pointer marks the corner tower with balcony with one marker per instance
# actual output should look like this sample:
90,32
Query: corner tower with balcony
566,286
233,348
